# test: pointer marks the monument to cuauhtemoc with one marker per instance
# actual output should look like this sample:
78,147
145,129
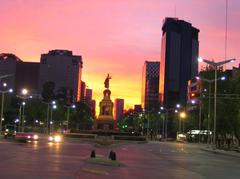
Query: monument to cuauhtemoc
105,120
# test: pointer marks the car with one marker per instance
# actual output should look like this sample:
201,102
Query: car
181,137
55,138
10,131
26,137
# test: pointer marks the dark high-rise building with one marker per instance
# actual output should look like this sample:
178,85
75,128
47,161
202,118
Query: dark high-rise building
93,108
138,108
150,85
27,76
88,95
83,91
118,109
179,52
8,65
64,69
24,74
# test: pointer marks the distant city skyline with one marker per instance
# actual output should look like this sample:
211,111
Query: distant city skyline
113,38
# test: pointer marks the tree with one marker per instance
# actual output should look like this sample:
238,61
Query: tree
81,118
48,91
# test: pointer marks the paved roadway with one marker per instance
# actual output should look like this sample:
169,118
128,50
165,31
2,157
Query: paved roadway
151,160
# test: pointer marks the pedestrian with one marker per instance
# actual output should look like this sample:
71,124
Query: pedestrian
93,155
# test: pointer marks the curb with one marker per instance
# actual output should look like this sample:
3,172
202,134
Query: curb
221,152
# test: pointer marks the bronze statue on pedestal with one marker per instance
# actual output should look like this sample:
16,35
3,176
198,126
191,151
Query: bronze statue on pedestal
106,82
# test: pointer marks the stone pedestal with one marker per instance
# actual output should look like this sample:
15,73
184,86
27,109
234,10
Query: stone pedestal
105,120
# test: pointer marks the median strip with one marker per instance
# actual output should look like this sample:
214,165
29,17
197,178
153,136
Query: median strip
97,172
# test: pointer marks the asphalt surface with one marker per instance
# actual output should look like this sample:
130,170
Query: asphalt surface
150,160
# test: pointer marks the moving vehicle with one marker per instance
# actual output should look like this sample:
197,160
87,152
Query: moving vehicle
181,137
26,137
55,138
10,131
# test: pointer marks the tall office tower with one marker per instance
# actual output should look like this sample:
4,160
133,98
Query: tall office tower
179,52
118,109
93,108
83,91
27,76
88,97
22,74
8,63
150,86
64,69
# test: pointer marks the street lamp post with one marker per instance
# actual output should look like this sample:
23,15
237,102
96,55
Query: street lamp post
68,114
165,126
23,96
209,100
163,123
49,123
23,117
2,103
215,65
182,116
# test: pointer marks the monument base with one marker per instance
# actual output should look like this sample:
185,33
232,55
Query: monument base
105,123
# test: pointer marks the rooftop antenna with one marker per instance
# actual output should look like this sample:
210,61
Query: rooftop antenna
226,30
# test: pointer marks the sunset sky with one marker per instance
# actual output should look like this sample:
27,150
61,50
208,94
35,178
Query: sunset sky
113,36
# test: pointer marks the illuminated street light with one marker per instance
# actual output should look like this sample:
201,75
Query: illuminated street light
193,101
24,91
223,78
215,65
183,115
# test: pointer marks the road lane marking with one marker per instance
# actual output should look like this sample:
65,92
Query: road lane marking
97,172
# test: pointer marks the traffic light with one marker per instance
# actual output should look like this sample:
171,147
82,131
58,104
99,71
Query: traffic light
193,95
124,126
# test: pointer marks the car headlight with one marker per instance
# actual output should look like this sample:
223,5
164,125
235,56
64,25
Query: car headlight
57,138
35,137
50,138
29,137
